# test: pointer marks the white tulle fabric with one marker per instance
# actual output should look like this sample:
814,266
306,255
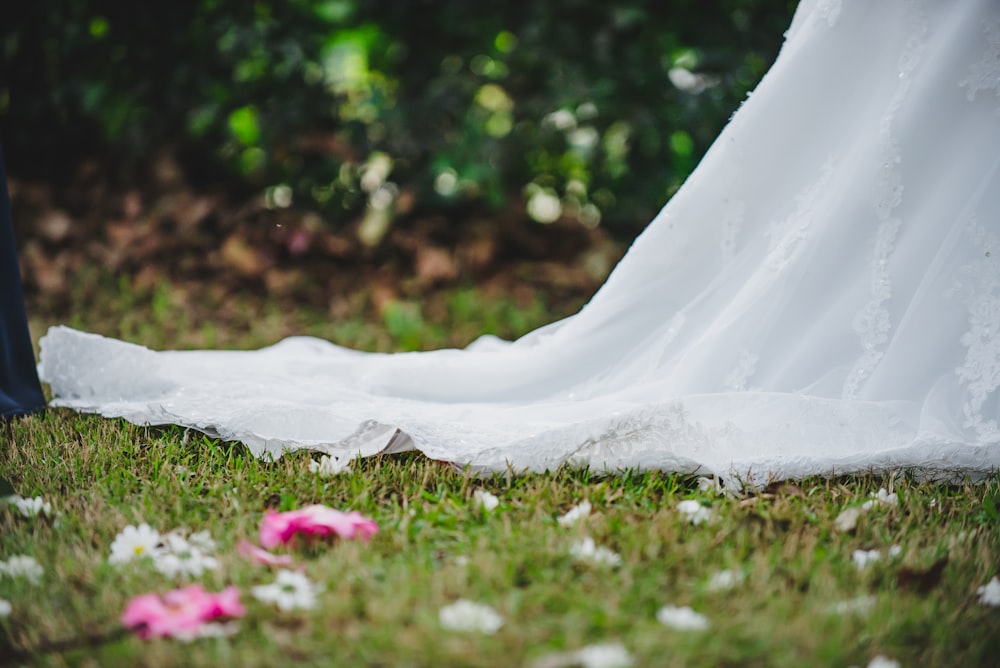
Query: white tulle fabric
822,296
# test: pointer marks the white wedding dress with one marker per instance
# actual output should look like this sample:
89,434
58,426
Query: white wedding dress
822,296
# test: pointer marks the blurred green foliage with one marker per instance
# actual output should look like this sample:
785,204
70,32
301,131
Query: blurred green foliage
592,110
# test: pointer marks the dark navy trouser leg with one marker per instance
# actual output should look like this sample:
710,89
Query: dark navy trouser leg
20,391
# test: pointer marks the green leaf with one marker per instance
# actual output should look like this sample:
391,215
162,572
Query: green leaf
245,125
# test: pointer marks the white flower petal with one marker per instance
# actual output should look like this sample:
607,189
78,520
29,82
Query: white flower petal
723,580
290,590
608,655
989,593
858,605
328,466
578,512
464,615
22,566
29,507
862,558
694,511
485,500
883,662
133,543
682,619
588,551
5,608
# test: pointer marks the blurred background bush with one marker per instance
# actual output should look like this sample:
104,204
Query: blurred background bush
592,110
243,135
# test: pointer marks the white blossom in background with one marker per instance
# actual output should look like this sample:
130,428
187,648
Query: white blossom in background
328,466
723,580
5,608
862,558
29,507
895,551
681,619
588,551
134,542
544,206
485,500
578,512
464,615
989,593
560,119
881,498
22,566
290,590
694,511
689,82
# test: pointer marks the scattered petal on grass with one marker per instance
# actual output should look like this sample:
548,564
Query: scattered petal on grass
179,557
723,580
289,591
681,619
587,550
605,655
485,500
22,566
989,593
862,558
609,655
463,615
133,543
328,466
883,662
5,607
258,554
847,520
181,613
694,511
881,498
316,520
860,604
578,512
29,507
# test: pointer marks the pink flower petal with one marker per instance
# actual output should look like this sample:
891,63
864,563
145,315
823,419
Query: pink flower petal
316,520
261,556
180,613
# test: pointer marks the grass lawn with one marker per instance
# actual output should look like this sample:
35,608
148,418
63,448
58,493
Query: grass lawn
796,596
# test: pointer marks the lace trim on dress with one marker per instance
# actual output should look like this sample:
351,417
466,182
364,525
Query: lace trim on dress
787,236
873,323
985,75
981,294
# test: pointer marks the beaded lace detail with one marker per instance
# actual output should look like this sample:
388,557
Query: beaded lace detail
985,75
979,287
873,323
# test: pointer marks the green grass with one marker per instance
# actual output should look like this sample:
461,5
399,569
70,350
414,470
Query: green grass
435,545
